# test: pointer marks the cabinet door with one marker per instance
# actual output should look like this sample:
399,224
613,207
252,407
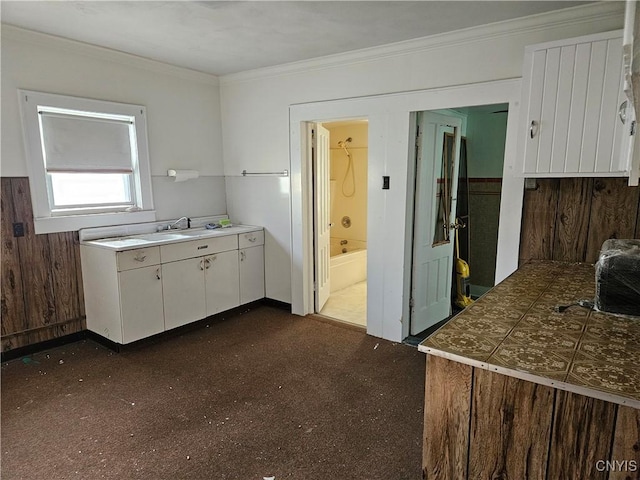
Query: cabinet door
141,303
222,280
184,293
572,92
251,274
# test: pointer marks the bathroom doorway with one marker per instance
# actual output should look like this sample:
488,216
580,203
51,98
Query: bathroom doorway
341,286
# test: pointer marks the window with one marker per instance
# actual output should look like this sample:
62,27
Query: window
88,162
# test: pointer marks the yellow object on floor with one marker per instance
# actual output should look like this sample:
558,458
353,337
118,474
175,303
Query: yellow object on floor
463,297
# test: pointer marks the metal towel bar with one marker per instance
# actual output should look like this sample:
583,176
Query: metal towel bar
284,173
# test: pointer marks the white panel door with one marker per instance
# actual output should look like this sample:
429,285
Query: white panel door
434,212
322,210
184,293
141,303
222,281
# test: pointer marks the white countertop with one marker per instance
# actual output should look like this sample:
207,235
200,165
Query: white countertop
165,237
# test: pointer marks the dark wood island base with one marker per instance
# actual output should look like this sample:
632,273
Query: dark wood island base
515,390
484,425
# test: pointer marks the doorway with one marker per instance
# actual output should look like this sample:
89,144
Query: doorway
455,219
341,279
390,210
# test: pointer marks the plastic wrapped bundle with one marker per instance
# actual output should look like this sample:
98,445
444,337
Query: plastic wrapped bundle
618,277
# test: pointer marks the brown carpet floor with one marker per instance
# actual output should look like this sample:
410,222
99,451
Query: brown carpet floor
261,394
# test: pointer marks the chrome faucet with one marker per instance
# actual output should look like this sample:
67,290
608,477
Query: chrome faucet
176,224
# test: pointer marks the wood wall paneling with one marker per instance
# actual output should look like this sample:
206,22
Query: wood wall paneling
446,419
626,445
539,221
65,282
582,435
42,296
614,211
510,427
572,226
12,302
584,212
35,260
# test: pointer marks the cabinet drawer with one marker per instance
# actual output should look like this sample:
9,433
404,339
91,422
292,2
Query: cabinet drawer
140,257
251,239
197,248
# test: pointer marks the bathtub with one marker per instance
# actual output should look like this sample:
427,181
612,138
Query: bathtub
346,269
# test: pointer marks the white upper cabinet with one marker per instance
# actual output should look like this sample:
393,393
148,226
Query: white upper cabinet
574,108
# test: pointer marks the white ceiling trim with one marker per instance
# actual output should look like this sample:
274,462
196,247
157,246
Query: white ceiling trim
31,37
608,11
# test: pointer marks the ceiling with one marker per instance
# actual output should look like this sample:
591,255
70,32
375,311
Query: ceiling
224,37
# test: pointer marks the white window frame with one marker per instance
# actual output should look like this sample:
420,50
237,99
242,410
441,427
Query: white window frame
46,218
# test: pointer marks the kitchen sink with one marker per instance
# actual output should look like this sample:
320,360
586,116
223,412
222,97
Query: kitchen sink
198,232
156,237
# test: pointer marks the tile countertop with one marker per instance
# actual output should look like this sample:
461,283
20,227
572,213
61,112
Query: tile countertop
514,330
130,242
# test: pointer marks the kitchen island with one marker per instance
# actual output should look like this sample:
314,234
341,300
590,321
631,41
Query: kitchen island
516,390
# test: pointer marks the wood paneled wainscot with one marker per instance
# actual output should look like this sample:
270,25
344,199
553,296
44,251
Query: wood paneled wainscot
515,390
42,296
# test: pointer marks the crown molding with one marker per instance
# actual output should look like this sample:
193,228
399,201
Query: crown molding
606,11
17,34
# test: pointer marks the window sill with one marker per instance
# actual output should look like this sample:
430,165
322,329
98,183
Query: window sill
72,223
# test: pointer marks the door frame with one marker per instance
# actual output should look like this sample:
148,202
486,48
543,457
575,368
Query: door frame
389,249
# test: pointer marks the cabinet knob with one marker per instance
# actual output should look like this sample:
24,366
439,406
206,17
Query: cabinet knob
533,128
139,257
242,255
251,239
158,274
202,264
622,112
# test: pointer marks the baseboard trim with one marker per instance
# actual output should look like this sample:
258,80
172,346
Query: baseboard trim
270,302
42,346
117,347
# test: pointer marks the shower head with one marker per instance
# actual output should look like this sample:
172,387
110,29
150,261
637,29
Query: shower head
343,143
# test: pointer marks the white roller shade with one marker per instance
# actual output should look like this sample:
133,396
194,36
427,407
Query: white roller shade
76,143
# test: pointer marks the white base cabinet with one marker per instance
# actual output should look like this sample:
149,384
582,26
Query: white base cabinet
184,292
141,303
251,274
133,294
123,292
222,282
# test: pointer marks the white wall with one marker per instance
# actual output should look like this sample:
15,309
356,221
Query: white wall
485,140
255,114
183,111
